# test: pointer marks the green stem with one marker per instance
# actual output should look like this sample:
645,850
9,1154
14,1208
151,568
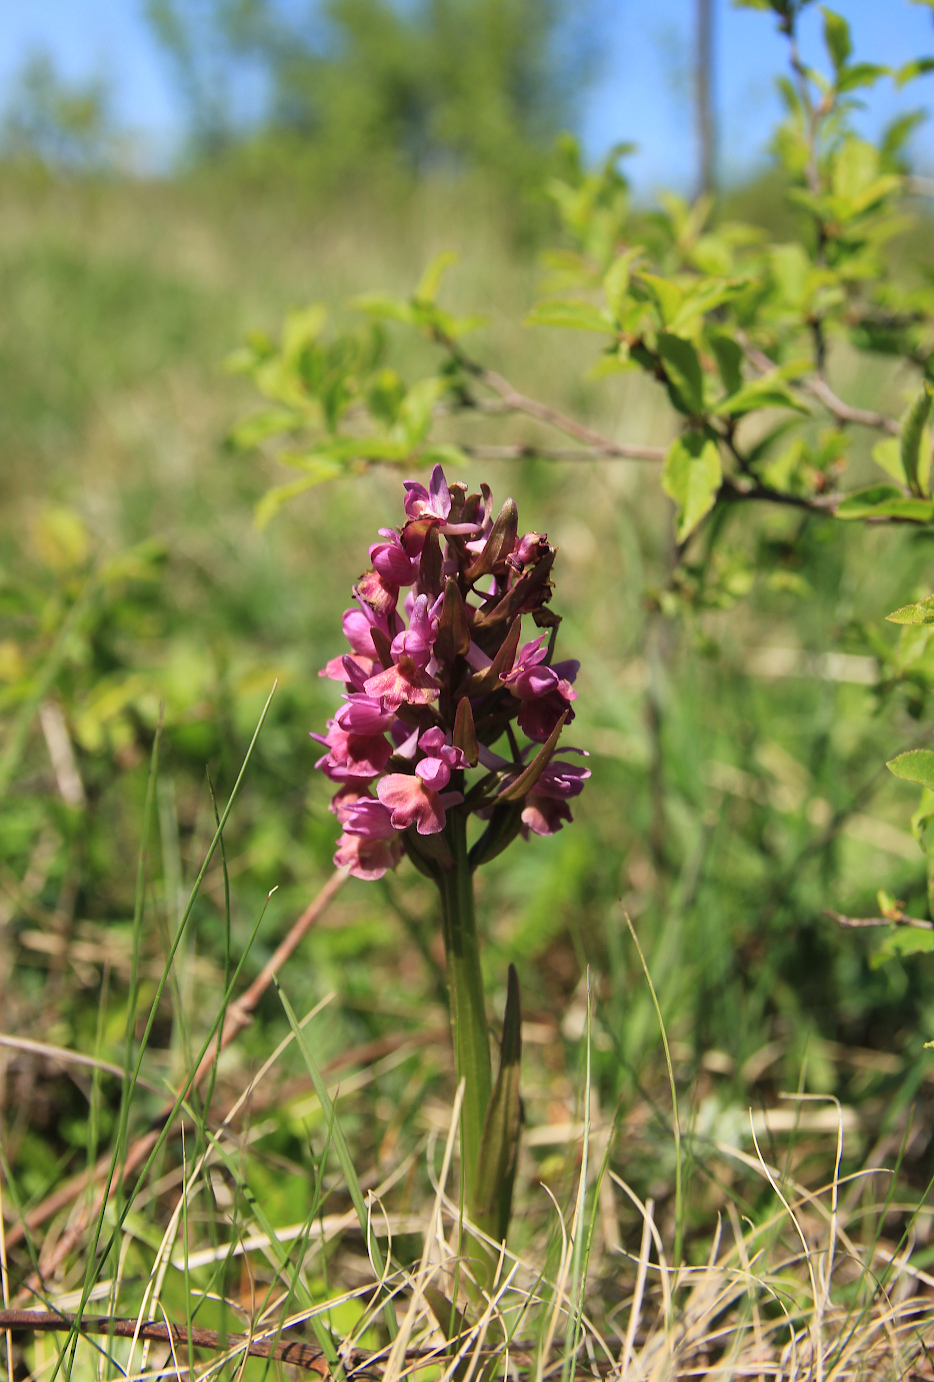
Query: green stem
465,986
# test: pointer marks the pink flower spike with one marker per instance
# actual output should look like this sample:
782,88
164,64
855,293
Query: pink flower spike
412,803
391,560
404,682
367,859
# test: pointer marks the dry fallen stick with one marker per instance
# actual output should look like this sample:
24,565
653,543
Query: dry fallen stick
237,1017
298,1354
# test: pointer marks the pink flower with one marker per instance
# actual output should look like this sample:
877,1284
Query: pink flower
543,815
352,756
416,641
539,715
440,759
357,624
468,582
528,551
560,781
367,859
364,714
403,683
412,802
433,502
391,560
368,818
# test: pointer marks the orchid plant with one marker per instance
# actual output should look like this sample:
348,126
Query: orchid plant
428,691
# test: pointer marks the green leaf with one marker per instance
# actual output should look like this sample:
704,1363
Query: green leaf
301,327
499,1145
884,501
273,499
526,780
729,355
430,281
860,74
918,67
691,477
616,280
415,410
888,455
917,765
837,37
921,613
903,941
666,295
770,392
570,313
250,431
909,435
685,376
383,307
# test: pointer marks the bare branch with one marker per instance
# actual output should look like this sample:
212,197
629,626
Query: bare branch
901,919
518,451
821,390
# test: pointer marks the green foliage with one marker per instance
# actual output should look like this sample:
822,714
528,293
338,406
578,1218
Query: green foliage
739,688
373,86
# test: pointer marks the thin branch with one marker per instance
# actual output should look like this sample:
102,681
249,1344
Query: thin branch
821,390
902,919
543,412
238,1016
518,451
522,403
741,489
843,412
300,1355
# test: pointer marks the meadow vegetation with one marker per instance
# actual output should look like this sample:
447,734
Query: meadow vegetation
739,709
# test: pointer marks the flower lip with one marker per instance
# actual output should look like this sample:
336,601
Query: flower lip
404,682
412,802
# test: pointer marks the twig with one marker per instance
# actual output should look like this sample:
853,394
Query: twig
902,919
239,1013
300,1355
843,412
238,1016
543,412
821,390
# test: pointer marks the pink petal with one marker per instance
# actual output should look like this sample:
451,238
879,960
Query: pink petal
411,803
403,683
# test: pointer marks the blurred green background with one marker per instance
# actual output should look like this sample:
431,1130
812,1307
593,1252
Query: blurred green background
738,745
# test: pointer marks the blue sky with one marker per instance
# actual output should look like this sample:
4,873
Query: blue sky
642,91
